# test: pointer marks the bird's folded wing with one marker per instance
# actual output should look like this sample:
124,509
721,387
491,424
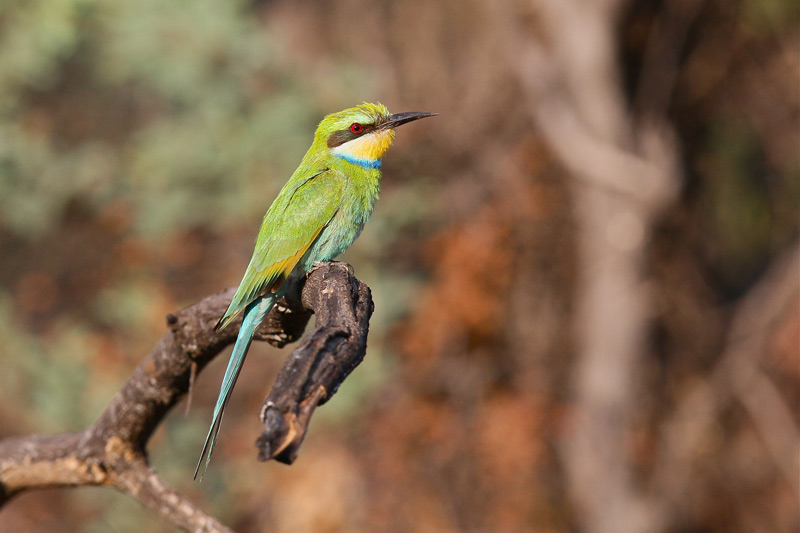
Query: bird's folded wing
291,226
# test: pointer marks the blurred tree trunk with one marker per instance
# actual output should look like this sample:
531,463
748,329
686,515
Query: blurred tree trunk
624,175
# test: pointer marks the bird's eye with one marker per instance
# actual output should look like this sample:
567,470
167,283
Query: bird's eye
355,127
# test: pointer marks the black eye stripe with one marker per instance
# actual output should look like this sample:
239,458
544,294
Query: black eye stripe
339,137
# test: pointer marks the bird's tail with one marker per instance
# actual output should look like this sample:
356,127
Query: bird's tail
253,316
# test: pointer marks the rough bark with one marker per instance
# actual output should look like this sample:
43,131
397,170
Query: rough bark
112,452
319,365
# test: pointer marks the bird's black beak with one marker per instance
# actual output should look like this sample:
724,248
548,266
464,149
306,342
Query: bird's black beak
398,119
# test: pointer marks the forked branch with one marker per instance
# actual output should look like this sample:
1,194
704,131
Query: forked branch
113,452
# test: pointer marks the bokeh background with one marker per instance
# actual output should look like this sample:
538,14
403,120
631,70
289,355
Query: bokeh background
584,270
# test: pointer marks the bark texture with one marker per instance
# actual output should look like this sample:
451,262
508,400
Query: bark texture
113,451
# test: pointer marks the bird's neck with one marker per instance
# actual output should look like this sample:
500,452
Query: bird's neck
362,162
366,151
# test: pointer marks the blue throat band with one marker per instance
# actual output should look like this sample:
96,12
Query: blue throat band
366,163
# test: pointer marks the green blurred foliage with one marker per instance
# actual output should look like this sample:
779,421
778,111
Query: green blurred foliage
213,109
763,17
747,208
49,374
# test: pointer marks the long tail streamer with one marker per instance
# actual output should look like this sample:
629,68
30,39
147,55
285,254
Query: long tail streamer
253,316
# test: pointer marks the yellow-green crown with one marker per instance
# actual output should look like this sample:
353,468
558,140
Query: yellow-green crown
364,114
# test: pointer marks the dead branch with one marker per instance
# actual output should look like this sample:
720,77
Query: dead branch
112,452
319,365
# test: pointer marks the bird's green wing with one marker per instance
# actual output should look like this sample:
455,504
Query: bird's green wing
293,223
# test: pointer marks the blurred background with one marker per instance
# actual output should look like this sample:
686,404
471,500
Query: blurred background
585,270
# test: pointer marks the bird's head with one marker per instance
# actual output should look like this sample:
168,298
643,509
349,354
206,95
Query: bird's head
364,133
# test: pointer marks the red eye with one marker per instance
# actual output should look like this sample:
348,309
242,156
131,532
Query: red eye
355,127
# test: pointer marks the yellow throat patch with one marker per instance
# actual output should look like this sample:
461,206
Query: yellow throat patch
369,148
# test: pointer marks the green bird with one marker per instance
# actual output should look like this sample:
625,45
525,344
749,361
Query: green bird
316,216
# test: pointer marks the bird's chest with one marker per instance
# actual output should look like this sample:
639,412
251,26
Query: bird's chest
357,202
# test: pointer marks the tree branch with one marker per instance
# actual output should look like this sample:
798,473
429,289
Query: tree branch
318,366
112,451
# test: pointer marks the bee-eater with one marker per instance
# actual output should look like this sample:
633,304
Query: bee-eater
316,216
